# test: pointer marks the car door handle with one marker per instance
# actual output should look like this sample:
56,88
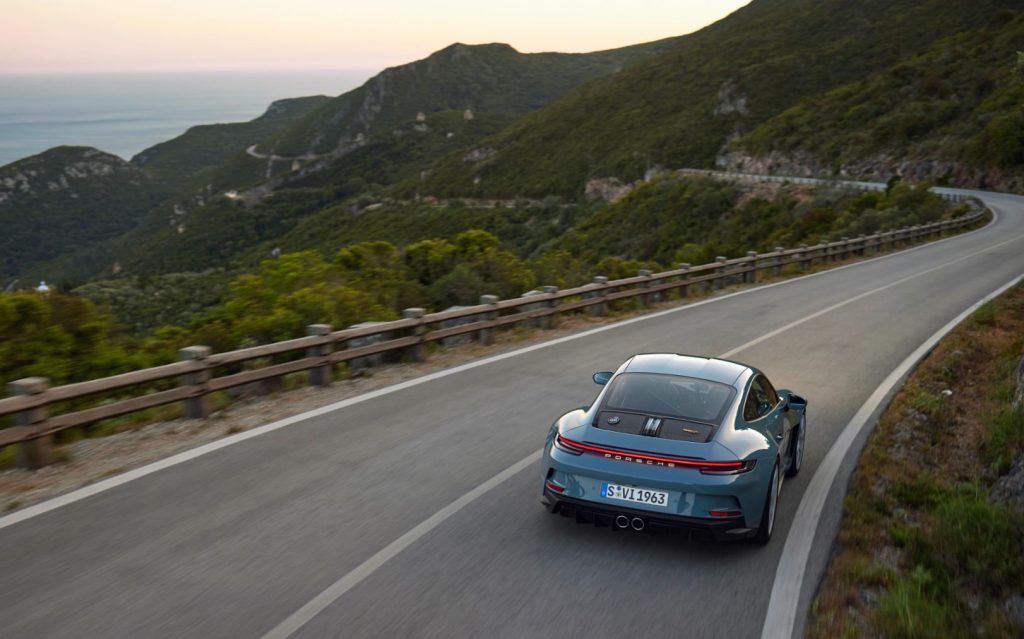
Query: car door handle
779,437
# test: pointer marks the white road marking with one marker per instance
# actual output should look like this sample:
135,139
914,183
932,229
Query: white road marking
138,473
318,604
784,604
856,298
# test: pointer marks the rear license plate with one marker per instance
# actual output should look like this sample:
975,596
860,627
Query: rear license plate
634,494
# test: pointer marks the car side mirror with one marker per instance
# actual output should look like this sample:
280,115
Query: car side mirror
784,395
602,377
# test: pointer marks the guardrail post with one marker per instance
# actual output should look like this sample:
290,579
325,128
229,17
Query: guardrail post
486,336
600,309
645,298
415,352
777,269
862,244
845,250
321,375
805,262
719,280
38,451
684,278
751,276
198,406
551,321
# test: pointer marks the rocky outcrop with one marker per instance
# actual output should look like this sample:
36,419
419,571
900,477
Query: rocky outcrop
1009,489
59,170
480,155
730,100
1018,398
610,189
879,167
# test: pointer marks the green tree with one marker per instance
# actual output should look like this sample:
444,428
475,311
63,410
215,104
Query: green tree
429,260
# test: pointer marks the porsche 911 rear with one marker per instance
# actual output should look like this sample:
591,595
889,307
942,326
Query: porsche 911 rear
695,444
624,488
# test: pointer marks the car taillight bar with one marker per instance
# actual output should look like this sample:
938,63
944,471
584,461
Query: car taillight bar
576,447
725,513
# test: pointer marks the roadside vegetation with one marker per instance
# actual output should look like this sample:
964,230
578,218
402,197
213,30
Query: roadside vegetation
109,327
112,326
932,538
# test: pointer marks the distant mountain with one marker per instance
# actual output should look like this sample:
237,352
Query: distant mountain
488,78
473,80
65,198
807,78
184,160
952,114
387,131
681,108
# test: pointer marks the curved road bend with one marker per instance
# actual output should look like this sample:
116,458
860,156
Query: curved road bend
234,542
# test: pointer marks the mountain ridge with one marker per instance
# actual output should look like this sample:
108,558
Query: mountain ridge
679,109
397,106
53,201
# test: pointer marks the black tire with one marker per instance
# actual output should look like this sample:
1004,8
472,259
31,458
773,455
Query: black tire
764,530
796,460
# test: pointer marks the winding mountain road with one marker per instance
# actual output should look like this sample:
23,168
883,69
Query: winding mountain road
414,512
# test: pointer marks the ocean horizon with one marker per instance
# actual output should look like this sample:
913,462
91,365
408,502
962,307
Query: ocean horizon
124,113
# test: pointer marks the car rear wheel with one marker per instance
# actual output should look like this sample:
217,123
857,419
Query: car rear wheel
771,502
797,460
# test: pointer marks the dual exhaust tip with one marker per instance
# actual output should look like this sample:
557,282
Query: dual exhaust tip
637,524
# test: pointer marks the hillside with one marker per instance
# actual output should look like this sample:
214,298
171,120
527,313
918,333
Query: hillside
407,254
489,78
680,108
473,80
184,160
388,131
64,198
469,122
951,114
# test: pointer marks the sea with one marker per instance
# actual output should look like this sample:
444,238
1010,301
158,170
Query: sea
124,113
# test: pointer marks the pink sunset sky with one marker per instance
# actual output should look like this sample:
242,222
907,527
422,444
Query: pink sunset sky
204,35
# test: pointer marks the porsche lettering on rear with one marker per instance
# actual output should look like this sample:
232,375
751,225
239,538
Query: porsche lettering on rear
649,462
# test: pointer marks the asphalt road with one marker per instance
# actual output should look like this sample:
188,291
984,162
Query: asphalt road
234,542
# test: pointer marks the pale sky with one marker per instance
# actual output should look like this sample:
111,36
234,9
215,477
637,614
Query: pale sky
165,35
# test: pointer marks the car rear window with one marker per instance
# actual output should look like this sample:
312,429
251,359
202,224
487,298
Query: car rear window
670,396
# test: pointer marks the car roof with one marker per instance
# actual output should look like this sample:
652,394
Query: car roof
709,368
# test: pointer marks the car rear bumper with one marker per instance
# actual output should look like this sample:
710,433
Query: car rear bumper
600,514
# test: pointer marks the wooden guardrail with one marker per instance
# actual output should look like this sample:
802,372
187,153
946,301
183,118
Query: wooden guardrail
31,400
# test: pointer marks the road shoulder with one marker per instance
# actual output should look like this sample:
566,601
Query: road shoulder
932,537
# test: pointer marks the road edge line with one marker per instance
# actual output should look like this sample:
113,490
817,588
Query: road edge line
784,602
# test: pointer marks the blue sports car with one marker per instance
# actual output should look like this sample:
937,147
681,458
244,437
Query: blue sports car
694,444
